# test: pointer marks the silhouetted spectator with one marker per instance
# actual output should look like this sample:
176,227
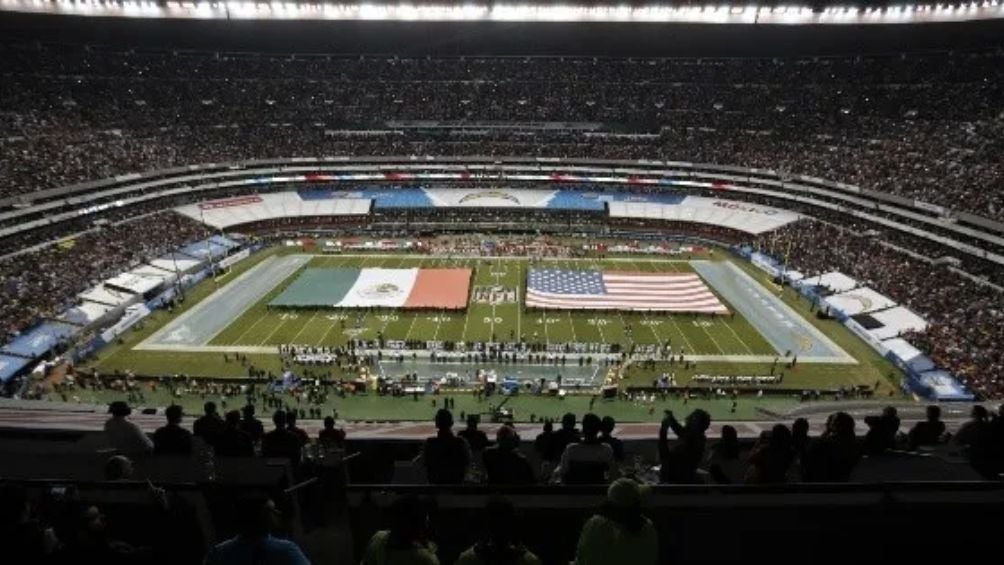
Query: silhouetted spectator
832,456
124,435
543,444
172,439
499,543
800,437
234,442
118,468
928,432
210,425
619,534
607,426
26,539
477,439
882,430
975,437
250,425
281,442
968,432
446,456
771,457
678,464
254,543
566,435
724,464
298,432
407,541
331,437
589,461
504,464
91,542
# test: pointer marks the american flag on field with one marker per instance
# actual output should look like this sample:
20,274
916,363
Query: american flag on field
618,290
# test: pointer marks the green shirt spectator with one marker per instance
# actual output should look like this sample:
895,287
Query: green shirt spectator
620,533
380,552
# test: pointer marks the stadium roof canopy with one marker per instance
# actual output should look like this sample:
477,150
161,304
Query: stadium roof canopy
814,12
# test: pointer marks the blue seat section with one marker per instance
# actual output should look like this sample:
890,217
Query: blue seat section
591,199
653,197
10,366
204,249
575,200
384,197
399,198
39,339
224,242
316,193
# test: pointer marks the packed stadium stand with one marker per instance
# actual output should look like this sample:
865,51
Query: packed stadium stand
142,171
111,113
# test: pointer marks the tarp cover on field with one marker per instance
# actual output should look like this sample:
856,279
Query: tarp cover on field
388,288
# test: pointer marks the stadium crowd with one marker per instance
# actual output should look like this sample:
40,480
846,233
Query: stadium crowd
578,452
966,317
43,283
920,126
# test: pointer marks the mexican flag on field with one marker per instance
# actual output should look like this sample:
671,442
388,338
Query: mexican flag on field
386,288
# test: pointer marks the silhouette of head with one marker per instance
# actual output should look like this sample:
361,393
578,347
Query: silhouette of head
568,421
173,414
607,425
444,420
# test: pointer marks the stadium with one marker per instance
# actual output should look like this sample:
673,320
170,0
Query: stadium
685,278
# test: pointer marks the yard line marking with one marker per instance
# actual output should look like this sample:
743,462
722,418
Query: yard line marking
741,340
683,334
470,308
706,332
659,338
327,331
547,339
412,325
334,262
519,305
575,338
261,317
272,333
619,313
495,274
439,317
599,326
311,319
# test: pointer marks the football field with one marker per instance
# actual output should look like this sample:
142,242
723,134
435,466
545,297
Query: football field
495,313
231,314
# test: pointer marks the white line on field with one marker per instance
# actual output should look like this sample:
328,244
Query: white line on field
575,338
311,319
645,317
519,303
335,262
470,309
741,340
705,330
250,327
272,333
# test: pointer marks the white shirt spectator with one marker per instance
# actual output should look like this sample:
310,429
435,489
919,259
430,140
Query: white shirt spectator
586,452
127,437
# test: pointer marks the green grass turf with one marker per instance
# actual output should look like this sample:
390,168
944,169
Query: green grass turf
377,408
704,335
481,322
